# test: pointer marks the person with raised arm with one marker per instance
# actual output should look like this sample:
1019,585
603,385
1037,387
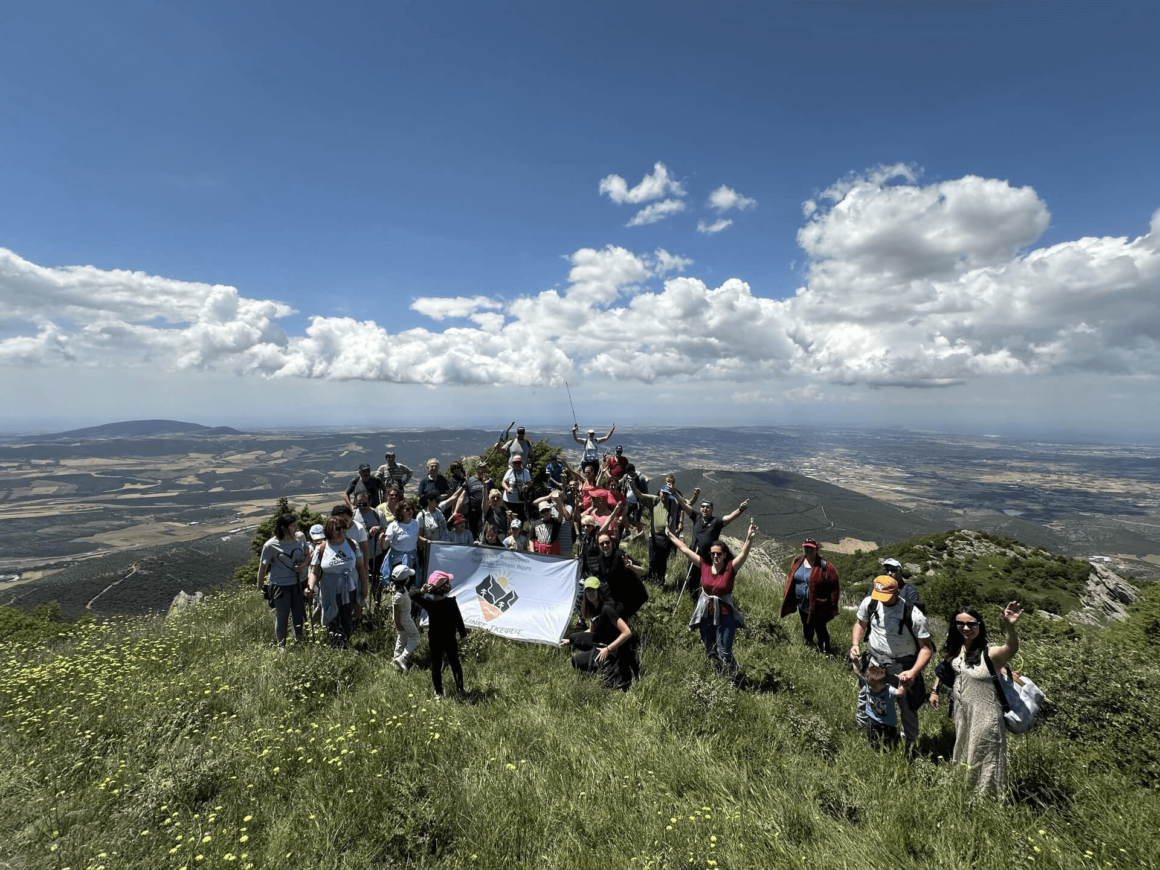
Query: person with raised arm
706,530
591,455
980,730
716,616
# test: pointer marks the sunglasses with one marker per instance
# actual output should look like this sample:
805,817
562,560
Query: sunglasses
966,624
606,543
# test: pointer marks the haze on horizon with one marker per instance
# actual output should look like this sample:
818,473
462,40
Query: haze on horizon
805,214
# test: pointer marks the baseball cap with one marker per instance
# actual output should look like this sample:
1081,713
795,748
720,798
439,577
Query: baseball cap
458,518
619,449
439,578
592,583
517,459
892,563
516,524
885,588
364,467
810,542
317,532
402,572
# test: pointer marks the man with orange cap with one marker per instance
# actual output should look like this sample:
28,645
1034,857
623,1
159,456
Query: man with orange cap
899,641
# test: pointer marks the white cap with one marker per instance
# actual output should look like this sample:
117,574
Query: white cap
317,532
891,563
401,571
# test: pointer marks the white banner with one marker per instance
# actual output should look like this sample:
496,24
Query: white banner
523,596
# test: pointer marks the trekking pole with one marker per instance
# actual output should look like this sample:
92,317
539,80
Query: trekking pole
569,389
681,594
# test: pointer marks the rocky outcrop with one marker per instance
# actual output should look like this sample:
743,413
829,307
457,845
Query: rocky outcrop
1106,596
184,599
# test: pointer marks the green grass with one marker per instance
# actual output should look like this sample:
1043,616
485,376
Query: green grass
148,742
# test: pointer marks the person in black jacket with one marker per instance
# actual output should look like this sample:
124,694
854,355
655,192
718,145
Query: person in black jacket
619,578
609,646
443,622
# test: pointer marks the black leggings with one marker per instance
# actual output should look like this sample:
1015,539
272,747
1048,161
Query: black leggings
342,625
808,630
616,669
444,648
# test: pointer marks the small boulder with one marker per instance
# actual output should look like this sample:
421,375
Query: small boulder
184,599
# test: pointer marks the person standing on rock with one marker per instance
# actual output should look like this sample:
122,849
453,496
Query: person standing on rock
811,588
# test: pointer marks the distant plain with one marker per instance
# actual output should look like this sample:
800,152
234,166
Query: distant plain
121,524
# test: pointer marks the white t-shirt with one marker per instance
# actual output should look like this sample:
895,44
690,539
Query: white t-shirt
520,543
340,562
515,480
884,629
591,450
403,537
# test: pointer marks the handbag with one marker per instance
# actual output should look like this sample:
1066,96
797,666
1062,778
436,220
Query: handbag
1017,716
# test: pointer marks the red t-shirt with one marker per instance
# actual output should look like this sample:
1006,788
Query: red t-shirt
716,584
617,466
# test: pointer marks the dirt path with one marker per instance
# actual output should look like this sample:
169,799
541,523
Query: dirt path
89,606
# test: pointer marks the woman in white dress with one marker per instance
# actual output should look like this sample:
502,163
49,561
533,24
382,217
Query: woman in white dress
980,732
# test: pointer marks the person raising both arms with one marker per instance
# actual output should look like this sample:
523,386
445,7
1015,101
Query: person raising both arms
706,530
591,455
716,617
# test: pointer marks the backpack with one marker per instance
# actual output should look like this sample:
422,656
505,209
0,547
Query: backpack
642,483
907,617
1020,709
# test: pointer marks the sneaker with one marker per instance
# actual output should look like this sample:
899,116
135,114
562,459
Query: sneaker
438,696
401,665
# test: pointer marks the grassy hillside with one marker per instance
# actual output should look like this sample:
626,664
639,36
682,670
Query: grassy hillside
188,742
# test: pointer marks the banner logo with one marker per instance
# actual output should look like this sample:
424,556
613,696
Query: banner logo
495,599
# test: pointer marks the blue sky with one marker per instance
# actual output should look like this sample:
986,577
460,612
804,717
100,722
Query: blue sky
347,161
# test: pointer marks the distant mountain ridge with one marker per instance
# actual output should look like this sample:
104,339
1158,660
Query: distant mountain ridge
137,428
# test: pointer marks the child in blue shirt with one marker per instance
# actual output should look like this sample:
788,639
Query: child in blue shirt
881,714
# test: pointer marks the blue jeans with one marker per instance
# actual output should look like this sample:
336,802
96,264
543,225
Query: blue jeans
718,639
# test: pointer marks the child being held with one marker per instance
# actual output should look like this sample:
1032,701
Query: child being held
408,633
881,714
443,622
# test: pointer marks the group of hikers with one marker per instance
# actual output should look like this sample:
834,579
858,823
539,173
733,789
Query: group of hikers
377,541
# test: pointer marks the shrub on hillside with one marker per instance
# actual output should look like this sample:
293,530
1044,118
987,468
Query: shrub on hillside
1106,700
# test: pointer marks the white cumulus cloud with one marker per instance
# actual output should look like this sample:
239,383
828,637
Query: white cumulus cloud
904,285
440,307
654,186
658,211
725,198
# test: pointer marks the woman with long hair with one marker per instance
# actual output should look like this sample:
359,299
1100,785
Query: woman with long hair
716,617
980,732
